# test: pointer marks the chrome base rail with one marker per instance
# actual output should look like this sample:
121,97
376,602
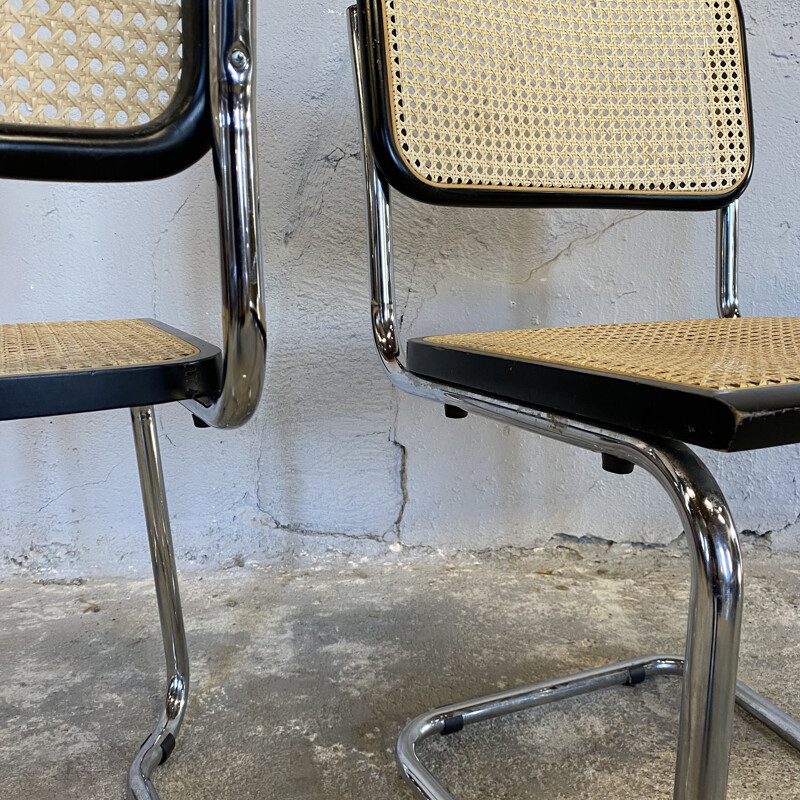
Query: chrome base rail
158,746
709,669
450,719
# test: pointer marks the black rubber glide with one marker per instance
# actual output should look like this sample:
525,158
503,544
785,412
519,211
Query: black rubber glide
453,725
167,746
636,676
619,466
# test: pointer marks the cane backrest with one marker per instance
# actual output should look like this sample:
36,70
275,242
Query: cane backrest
641,98
88,63
111,90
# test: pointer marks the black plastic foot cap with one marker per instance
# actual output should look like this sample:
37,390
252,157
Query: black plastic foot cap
167,746
453,725
454,412
636,675
619,466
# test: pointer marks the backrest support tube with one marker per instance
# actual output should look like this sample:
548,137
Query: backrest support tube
379,225
727,255
232,95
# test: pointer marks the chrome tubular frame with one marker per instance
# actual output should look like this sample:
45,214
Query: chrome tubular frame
727,257
158,746
712,645
232,82
232,66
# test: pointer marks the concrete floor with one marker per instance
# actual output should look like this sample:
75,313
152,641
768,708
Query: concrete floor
303,678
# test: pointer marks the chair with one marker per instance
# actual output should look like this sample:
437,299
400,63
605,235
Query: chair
574,103
132,91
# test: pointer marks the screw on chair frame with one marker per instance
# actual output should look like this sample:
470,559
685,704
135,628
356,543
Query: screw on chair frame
710,688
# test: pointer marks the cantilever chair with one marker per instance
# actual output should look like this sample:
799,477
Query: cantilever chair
121,91
575,103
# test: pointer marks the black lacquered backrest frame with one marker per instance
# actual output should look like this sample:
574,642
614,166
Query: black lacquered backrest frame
386,106
162,146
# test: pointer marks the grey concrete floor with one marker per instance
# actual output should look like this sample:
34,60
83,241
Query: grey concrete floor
303,678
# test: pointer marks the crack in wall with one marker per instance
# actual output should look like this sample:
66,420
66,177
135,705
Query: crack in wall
163,232
36,560
590,238
567,539
792,57
300,530
578,544
786,527
396,528
76,486
556,541
317,181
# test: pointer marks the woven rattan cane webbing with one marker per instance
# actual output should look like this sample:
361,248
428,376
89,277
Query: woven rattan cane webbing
641,96
31,348
713,354
88,63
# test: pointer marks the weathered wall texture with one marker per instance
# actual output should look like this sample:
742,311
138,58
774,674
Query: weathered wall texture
335,458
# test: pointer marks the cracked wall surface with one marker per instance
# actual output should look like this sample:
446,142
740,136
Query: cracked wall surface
335,459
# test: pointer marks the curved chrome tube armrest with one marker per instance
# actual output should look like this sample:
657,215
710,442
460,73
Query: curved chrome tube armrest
727,254
232,90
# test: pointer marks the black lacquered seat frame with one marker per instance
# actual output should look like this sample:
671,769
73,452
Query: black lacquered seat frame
742,419
73,391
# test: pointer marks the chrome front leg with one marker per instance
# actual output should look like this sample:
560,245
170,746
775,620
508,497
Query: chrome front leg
715,605
158,746
714,625
712,647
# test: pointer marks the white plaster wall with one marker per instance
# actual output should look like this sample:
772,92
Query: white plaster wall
335,459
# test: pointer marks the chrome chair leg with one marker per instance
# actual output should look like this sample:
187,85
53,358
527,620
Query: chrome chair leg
712,639
712,647
158,746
